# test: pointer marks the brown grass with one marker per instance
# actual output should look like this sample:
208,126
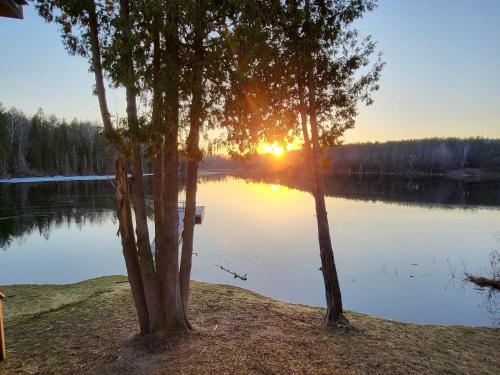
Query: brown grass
90,328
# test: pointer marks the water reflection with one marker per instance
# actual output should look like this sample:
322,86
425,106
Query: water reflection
25,208
421,191
394,259
41,207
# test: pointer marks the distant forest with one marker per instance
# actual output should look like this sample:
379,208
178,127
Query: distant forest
47,145
427,156
461,158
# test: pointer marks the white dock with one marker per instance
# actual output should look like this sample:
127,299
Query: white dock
199,215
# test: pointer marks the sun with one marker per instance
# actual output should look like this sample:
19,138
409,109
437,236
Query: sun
274,149
278,151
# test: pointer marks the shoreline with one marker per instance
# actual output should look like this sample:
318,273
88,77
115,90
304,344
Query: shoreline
464,175
90,327
62,178
124,279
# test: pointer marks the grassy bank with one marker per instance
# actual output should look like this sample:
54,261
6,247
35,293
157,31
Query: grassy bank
90,327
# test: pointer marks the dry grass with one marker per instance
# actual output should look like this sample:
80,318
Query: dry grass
90,328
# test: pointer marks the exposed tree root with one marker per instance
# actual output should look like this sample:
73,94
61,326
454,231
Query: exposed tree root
340,324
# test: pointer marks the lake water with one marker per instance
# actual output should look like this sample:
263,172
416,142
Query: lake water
401,246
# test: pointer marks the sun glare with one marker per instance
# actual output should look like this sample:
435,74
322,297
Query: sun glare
274,149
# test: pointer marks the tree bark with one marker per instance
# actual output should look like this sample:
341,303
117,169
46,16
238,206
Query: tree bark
122,193
193,154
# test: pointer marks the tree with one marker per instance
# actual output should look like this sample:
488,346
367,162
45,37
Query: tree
302,69
4,143
89,133
22,128
332,57
331,70
464,155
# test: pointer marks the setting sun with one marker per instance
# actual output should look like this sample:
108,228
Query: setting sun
274,149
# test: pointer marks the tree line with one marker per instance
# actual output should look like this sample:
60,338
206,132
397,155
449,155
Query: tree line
46,145
43,144
428,156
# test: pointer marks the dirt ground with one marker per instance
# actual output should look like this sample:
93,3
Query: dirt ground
90,328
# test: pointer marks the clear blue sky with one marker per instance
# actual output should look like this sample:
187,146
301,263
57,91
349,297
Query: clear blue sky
442,76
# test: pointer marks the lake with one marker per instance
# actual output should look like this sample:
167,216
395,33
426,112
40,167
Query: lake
401,246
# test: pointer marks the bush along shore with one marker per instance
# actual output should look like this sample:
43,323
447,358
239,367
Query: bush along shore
90,328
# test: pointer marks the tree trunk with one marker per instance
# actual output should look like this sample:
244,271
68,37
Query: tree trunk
158,177
167,245
150,279
97,68
335,314
91,158
75,163
303,118
193,154
168,264
122,192
146,264
305,134
188,231
21,160
128,244
158,147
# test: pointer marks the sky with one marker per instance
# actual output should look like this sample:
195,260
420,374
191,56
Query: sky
441,78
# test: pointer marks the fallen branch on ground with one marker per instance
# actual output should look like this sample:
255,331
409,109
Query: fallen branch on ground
483,281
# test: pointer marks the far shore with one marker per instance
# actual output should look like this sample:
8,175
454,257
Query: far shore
465,175
61,178
91,328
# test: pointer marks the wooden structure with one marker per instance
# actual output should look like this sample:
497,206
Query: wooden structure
199,214
12,8
3,347
198,217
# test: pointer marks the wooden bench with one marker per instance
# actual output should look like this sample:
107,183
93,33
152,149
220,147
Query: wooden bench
3,348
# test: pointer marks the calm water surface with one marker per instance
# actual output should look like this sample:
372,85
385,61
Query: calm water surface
401,246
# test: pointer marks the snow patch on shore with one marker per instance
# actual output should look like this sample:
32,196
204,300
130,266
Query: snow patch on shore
20,180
